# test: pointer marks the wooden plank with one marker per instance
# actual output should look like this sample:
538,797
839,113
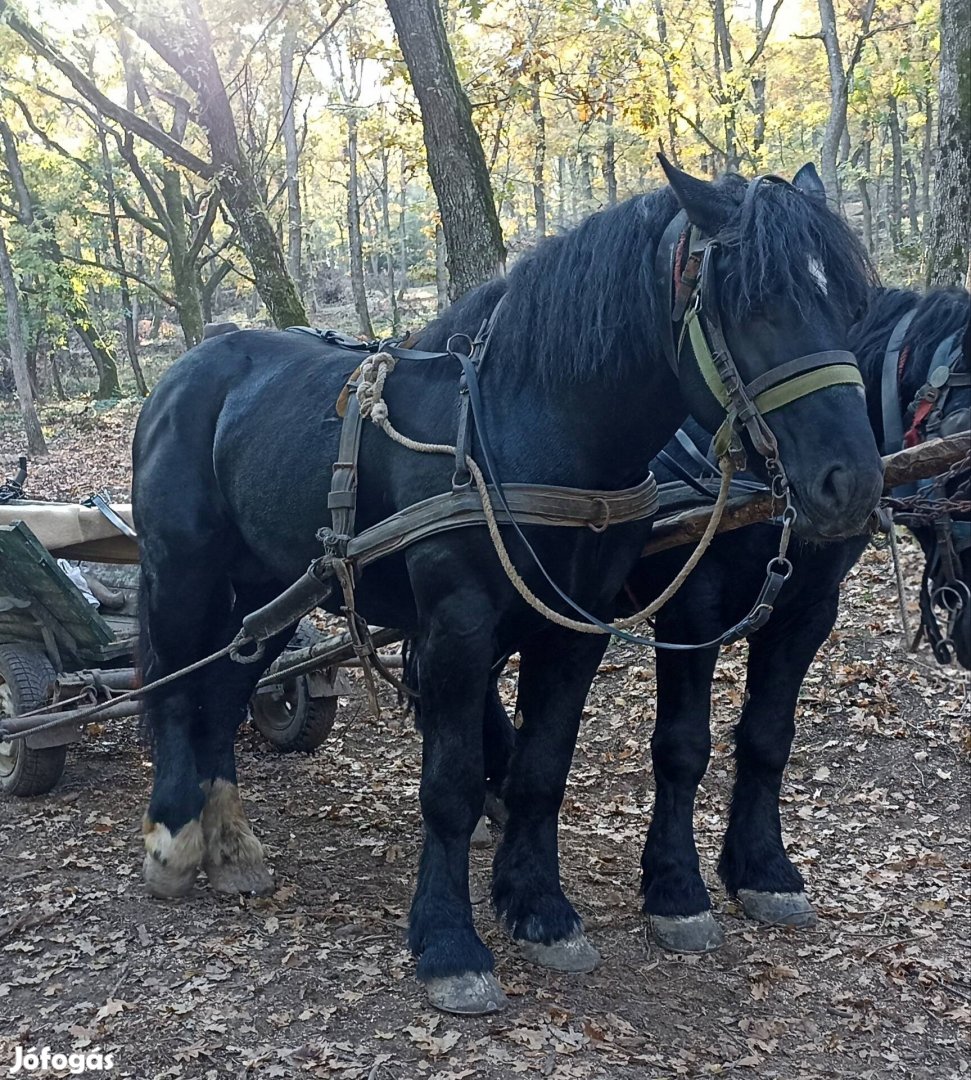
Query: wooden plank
28,571
904,467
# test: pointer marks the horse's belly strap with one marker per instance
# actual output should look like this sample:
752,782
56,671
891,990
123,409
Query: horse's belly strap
532,504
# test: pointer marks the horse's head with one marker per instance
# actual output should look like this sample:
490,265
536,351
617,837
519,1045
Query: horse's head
932,363
769,281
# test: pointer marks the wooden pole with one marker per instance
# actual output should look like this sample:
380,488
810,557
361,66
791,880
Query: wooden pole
905,466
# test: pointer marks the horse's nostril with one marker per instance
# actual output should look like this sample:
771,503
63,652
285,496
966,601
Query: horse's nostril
835,487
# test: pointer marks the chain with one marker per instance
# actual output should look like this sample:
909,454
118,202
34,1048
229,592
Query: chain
923,508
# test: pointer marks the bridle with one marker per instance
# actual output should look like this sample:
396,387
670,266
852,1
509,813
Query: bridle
687,284
944,594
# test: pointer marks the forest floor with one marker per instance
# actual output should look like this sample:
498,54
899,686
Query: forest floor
316,981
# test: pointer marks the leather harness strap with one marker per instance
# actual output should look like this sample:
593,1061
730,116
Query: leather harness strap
893,428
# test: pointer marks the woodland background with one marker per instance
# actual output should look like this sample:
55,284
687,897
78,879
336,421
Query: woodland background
184,161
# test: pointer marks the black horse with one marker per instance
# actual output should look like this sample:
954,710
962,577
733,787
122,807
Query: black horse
754,866
232,466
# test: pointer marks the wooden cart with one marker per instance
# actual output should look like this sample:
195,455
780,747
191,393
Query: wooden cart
58,647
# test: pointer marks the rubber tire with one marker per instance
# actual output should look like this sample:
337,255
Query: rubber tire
293,721
27,673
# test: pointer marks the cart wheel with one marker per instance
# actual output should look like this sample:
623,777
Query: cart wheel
290,719
25,677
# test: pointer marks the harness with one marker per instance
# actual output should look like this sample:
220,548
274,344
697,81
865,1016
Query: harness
944,594
695,308
695,330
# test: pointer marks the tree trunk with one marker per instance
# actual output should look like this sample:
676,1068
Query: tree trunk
185,281
949,246
456,163
539,156
670,87
36,219
727,89
836,121
610,154
354,241
289,124
912,200
927,155
897,173
127,307
194,59
36,446
403,228
839,84
388,240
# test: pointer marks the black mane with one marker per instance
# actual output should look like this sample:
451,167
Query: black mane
583,304
777,241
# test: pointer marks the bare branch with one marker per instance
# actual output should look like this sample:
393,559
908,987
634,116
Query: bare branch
151,286
87,89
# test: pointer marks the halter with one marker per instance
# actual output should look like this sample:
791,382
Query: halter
684,271
926,412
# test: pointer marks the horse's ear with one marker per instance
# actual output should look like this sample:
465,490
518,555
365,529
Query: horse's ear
706,206
808,181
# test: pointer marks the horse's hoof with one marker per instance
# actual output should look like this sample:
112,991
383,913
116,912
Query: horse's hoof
476,993
573,954
234,857
687,933
240,880
481,838
778,908
171,862
166,883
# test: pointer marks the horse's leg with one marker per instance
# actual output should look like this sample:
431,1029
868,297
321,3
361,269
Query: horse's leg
675,898
556,670
176,611
455,650
754,865
233,859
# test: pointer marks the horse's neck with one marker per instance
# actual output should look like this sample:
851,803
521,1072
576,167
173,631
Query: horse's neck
594,433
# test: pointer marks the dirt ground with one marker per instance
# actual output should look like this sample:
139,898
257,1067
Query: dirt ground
316,981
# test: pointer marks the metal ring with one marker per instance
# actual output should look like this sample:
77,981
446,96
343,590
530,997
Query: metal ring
950,598
783,563
599,527
449,347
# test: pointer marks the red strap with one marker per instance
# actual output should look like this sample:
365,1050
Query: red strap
679,259
912,438
902,362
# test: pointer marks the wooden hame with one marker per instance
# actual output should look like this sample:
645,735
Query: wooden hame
903,467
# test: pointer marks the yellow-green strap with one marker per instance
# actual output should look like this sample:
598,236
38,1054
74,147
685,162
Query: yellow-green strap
807,383
776,396
706,362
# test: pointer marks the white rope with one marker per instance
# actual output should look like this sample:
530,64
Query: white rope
374,373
